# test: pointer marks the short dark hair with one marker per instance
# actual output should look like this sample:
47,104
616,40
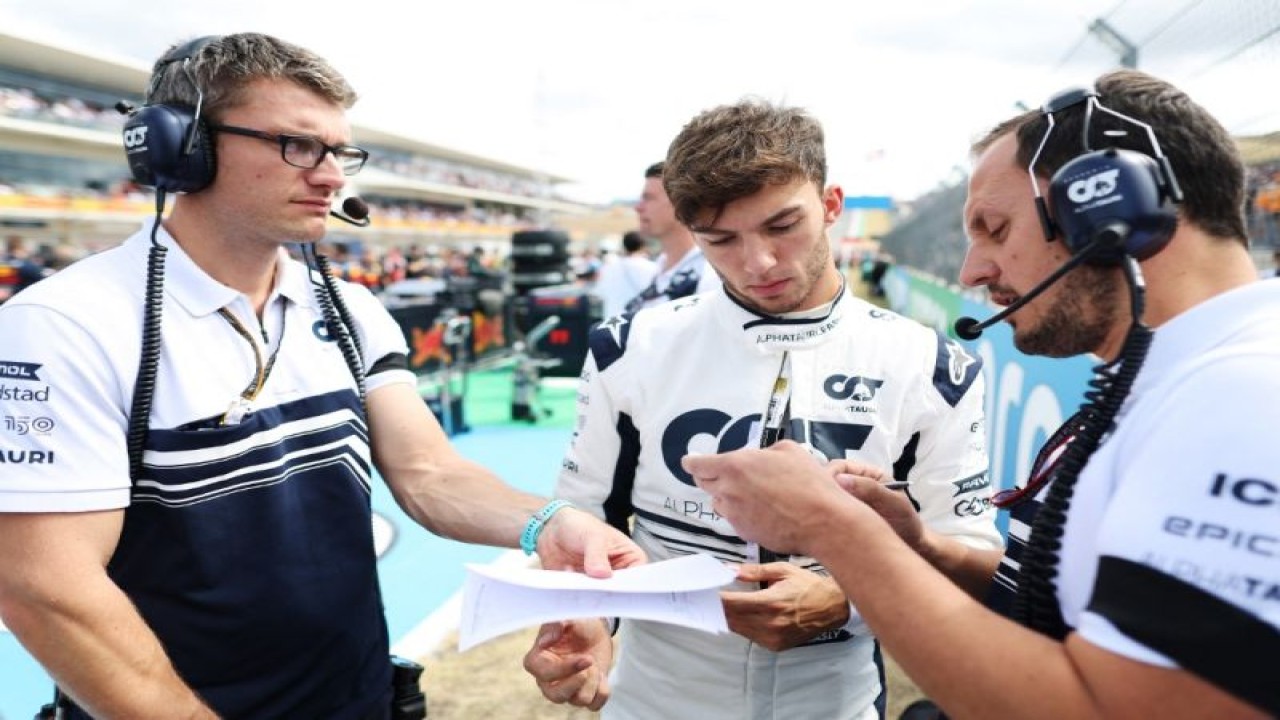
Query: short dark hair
654,170
225,66
1205,159
732,151
633,241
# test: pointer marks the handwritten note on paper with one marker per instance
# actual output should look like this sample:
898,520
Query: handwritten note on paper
682,591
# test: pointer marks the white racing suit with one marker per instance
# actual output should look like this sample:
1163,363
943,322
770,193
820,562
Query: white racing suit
694,375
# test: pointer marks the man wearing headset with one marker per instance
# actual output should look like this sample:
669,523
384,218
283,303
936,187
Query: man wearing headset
232,572
1162,591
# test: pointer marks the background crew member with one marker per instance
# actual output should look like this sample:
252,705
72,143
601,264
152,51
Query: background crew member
681,268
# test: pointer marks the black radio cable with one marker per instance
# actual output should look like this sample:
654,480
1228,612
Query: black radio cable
144,385
1036,605
337,317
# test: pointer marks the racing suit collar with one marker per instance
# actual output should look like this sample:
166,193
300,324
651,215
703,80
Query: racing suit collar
790,331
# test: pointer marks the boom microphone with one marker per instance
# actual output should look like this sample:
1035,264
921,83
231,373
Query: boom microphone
354,211
967,328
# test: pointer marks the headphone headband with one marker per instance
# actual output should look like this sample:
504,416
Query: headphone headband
167,145
179,53
1120,196
189,49
1067,98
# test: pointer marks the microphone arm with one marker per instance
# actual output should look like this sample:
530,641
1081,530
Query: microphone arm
967,328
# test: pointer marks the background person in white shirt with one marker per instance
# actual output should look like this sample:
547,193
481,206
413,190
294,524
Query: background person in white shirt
626,276
682,271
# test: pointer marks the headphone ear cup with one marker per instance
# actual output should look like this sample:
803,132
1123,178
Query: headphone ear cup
200,164
169,147
1117,197
156,139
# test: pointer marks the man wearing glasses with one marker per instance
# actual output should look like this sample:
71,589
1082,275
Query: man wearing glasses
229,571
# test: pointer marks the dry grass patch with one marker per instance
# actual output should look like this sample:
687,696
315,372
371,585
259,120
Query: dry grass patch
488,681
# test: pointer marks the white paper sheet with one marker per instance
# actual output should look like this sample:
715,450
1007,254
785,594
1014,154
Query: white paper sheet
682,591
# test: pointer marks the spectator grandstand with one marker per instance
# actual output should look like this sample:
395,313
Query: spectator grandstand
63,178
930,238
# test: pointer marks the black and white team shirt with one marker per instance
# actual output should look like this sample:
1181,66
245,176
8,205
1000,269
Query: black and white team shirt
1172,544
695,375
692,275
246,547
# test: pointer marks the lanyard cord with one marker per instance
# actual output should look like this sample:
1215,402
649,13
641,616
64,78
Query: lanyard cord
774,421
1046,463
262,371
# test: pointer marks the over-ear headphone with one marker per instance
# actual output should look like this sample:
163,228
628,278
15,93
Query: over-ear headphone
1106,205
1121,198
168,146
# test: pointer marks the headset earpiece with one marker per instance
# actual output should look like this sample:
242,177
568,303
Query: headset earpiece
169,149
168,146
1117,196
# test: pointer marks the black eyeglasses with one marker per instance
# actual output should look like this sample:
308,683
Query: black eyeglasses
304,151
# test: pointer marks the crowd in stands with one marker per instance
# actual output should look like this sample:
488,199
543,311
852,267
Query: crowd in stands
23,263
931,237
379,268
125,195
928,238
1264,204
415,212
446,172
122,195
27,104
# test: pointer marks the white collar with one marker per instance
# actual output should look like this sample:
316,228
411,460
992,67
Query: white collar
198,292
797,330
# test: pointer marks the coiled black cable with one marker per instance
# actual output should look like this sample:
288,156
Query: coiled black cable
144,385
1036,605
337,317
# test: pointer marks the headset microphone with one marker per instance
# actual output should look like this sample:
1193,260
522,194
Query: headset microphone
967,328
354,211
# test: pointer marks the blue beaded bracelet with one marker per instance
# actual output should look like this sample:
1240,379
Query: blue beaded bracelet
529,538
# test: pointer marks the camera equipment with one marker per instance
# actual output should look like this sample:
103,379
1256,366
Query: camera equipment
526,376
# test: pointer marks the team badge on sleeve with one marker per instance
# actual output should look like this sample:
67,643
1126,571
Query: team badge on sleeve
608,340
954,370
